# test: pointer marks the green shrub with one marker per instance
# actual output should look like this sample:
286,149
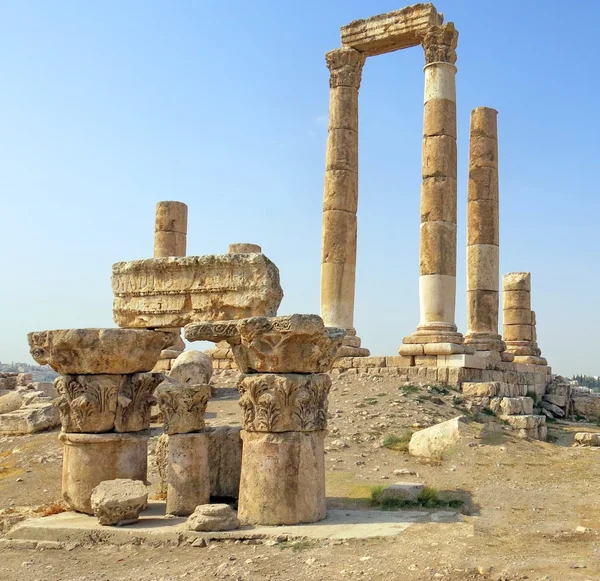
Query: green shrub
429,497
398,443
406,389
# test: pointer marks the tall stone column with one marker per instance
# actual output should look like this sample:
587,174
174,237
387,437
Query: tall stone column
437,251
170,229
170,239
340,199
483,207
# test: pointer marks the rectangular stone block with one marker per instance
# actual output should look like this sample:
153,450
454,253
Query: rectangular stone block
473,361
426,361
437,253
443,348
512,406
517,317
517,332
482,267
399,361
559,400
391,31
439,118
411,349
439,157
488,389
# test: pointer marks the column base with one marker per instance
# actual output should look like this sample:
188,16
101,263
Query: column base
351,346
485,342
435,339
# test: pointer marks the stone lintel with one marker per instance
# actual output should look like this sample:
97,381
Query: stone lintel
391,31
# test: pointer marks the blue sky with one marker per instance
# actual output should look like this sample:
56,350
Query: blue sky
110,106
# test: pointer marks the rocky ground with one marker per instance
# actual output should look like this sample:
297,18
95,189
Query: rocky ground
531,508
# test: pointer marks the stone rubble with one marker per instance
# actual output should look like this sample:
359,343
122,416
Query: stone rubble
212,517
119,501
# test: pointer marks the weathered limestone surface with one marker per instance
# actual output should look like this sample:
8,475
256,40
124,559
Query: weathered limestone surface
283,478
98,351
244,248
391,31
586,439
273,402
291,344
407,491
100,403
224,460
119,501
10,402
213,517
89,459
340,196
191,367
483,233
172,292
182,406
188,478
432,442
170,229
30,419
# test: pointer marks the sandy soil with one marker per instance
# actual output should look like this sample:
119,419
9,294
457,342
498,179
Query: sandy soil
532,508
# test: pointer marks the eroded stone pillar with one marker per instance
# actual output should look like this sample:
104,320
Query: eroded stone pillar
483,233
170,239
170,229
437,250
519,320
340,198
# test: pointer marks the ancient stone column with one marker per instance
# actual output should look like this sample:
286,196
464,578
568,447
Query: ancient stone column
483,234
170,229
437,282
170,239
340,198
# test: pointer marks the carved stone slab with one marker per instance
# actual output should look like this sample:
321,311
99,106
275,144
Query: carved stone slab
92,404
175,291
98,351
182,406
291,344
273,402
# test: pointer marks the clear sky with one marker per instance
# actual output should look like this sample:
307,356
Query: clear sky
110,106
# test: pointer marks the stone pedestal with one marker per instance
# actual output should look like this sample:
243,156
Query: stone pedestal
188,475
283,478
437,281
170,229
89,459
340,198
483,234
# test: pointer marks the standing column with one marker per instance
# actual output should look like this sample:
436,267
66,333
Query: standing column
170,229
437,251
483,234
170,239
340,199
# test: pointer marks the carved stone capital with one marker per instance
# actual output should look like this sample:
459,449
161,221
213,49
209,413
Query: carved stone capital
290,344
439,44
87,403
182,406
134,401
273,402
345,66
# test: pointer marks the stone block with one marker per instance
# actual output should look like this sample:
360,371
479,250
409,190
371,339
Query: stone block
119,501
555,410
399,361
525,422
472,361
559,400
33,418
98,351
517,317
411,350
224,460
511,406
403,491
10,402
283,478
586,439
191,367
244,248
432,442
443,348
488,389
275,402
426,361
517,281
172,292
212,517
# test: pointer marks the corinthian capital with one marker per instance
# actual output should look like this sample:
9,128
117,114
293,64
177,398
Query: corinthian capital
345,66
439,44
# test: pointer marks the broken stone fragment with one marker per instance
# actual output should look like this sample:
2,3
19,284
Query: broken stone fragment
191,367
182,406
98,351
432,442
175,291
586,439
120,501
290,344
213,517
403,491
277,402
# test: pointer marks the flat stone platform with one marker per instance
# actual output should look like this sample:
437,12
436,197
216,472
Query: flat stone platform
154,527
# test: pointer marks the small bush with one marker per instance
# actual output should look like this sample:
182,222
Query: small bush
398,443
439,389
376,494
429,497
406,389
488,412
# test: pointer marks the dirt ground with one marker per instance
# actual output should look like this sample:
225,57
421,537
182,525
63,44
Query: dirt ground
532,509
